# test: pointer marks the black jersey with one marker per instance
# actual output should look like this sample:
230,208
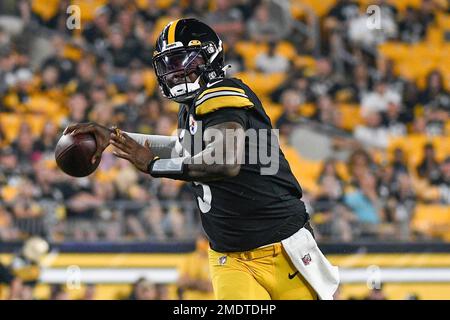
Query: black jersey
251,209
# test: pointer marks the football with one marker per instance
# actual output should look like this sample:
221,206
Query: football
73,154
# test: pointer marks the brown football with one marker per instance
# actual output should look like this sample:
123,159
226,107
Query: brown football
73,154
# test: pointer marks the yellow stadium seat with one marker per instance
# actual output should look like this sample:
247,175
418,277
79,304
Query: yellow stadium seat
10,123
305,62
164,4
307,110
39,103
262,84
413,145
45,9
249,51
8,193
320,8
36,123
351,116
159,25
433,220
88,8
286,49
306,171
273,110
149,81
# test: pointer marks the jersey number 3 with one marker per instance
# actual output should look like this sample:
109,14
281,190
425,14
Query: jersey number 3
204,203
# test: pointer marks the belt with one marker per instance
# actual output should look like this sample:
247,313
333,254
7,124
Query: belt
265,251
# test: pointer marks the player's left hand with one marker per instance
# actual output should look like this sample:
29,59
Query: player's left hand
127,148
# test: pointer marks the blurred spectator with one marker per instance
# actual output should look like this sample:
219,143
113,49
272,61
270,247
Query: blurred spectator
226,20
270,22
89,292
99,28
335,220
143,289
376,294
379,99
291,102
364,202
271,62
444,182
324,81
399,164
57,292
428,168
394,120
233,57
194,282
372,134
435,95
327,112
411,28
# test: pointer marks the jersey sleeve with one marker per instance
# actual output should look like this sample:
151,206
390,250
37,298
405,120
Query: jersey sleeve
223,101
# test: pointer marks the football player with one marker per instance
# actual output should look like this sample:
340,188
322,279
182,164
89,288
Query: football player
244,212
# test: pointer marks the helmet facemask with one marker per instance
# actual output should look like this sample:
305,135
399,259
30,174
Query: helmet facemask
176,70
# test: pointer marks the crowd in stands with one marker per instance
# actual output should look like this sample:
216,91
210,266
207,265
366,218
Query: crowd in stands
306,60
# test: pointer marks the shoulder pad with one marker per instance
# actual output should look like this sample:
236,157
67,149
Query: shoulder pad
218,94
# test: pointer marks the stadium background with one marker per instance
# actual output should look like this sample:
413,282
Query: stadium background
363,117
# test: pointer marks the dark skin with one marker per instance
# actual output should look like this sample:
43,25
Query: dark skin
221,147
140,156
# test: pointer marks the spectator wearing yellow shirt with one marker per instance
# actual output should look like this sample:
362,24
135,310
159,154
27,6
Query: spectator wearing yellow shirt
194,282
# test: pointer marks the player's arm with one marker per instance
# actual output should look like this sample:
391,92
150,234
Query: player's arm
161,146
220,159
221,156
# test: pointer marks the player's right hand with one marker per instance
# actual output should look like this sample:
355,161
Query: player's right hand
100,133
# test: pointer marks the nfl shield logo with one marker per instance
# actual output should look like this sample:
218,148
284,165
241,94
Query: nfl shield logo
306,259
222,260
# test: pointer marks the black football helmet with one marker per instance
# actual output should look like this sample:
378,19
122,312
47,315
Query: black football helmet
184,47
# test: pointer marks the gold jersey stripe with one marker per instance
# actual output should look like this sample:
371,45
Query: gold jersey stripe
220,89
171,33
217,103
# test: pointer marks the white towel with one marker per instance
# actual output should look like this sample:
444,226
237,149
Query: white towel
312,264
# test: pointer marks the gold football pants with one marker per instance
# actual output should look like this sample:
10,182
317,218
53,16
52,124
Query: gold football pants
260,274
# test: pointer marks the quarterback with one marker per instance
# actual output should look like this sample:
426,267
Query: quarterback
245,214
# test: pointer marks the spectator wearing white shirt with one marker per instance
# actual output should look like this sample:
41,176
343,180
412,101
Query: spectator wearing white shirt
372,134
379,99
271,62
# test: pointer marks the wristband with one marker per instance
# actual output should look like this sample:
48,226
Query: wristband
171,168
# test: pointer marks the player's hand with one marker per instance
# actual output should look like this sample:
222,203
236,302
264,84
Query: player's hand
101,134
127,148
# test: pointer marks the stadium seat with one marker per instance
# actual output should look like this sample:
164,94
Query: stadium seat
36,122
149,81
262,84
432,220
306,171
320,8
10,122
307,110
351,116
88,8
273,110
39,103
46,10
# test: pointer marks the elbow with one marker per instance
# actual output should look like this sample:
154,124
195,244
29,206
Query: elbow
231,171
